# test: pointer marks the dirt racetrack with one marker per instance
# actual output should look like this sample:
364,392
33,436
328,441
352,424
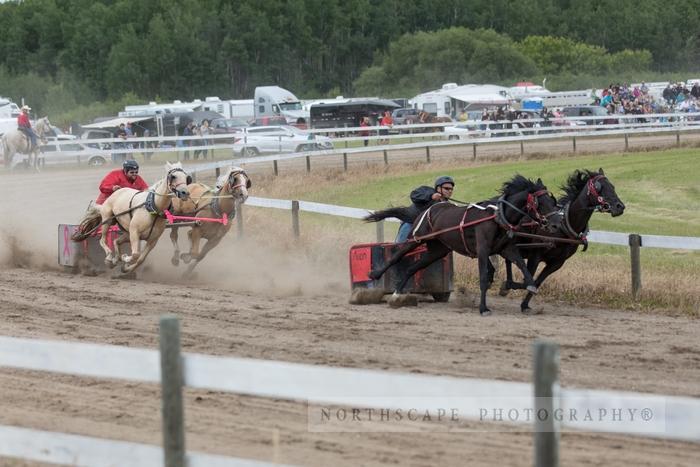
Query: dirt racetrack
261,300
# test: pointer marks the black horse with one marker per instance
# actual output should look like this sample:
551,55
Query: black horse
585,192
476,231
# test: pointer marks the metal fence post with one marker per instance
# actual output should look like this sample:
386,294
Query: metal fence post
386,158
635,242
171,386
345,161
239,221
427,154
295,218
274,168
380,232
546,376
308,164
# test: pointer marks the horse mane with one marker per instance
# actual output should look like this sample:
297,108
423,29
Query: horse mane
574,184
518,184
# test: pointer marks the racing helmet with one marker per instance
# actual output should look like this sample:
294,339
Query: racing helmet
442,180
130,164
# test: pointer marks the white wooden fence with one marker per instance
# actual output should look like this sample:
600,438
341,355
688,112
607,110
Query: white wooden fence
677,418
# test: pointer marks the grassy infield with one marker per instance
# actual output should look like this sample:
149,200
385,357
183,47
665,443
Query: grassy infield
661,190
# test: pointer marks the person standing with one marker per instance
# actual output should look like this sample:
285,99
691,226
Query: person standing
364,123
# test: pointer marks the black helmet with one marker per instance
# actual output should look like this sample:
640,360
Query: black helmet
442,180
130,165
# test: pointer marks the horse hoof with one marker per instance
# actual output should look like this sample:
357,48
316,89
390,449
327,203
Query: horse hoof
175,261
186,257
486,312
532,289
399,300
126,258
374,275
504,290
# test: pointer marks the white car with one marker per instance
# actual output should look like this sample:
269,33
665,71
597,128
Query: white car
255,140
466,131
70,152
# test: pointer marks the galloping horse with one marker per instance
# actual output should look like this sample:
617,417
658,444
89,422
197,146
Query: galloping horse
586,192
204,202
15,141
477,230
140,214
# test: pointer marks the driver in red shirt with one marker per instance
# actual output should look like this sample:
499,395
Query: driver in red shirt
126,177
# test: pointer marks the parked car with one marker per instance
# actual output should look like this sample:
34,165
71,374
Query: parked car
255,140
405,116
72,152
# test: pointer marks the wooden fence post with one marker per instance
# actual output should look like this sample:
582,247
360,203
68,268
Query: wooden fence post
380,232
474,151
239,221
678,138
345,161
194,177
171,387
274,168
522,148
635,242
427,154
546,369
574,141
295,218
627,142
217,172
308,164
386,157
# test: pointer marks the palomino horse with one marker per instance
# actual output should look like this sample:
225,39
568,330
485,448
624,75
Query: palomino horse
586,192
204,202
16,142
140,214
477,231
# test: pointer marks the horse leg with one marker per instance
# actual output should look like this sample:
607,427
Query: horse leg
195,236
211,243
140,258
512,253
484,262
110,258
117,245
549,269
436,250
135,239
175,260
400,253
509,283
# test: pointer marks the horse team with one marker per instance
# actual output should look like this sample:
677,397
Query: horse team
141,215
526,225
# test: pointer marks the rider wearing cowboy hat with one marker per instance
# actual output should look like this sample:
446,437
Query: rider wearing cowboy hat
25,126
126,177
423,197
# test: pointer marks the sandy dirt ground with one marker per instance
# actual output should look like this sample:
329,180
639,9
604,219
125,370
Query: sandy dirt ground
261,300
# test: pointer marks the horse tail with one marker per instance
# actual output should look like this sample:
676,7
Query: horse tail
89,224
405,214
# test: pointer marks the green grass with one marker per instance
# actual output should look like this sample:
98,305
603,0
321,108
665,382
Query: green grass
661,189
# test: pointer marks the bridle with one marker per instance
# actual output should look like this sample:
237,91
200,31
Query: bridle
531,211
170,178
232,178
593,189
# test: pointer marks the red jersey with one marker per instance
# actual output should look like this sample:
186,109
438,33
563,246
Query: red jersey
118,177
23,121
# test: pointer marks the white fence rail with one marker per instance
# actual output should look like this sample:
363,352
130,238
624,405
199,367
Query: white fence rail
566,128
678,418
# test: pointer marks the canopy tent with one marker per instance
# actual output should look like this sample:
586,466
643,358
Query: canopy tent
115,122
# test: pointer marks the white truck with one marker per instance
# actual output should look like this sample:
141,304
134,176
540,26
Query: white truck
9,111
270,104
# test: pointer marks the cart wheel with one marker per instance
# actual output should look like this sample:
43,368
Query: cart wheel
441,297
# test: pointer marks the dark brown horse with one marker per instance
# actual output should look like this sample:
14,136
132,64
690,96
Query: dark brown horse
477,231
586,192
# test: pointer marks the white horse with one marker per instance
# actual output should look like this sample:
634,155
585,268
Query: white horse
140,214
16,142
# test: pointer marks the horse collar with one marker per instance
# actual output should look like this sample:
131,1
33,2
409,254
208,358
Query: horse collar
569,230
150,205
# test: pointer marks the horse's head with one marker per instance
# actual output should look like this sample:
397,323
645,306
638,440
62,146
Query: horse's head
177,180
42,126
235,182
531,199
601,194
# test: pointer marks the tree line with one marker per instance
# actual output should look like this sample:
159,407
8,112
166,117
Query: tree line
64,54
